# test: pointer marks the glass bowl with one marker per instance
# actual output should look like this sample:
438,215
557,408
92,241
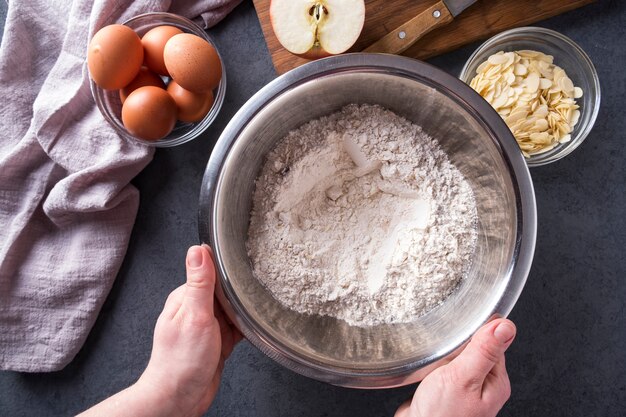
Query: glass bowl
567,55
108,101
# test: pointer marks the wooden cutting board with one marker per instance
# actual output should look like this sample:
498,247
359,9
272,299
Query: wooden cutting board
481,20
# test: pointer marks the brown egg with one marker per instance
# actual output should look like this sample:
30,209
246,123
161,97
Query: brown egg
114,57
192,107
144,77
192,62
149,113
153,44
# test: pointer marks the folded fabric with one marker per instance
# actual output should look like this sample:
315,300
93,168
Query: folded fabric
66,204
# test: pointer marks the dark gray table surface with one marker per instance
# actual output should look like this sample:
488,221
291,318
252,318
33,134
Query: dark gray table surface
569,358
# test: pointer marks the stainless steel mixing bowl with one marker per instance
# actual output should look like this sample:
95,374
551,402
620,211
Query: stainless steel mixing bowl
477,142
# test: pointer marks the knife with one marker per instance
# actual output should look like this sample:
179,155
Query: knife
407,34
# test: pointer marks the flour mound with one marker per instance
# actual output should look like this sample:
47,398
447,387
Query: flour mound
360,216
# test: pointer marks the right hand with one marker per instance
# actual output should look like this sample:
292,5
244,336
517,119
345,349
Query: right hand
474,384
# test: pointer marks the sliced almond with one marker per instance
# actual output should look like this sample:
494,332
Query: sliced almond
520,69
497,59
578,92
544,83
566,85
541,125
532,82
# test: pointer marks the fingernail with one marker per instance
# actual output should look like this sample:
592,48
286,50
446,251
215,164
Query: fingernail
504,332
194,257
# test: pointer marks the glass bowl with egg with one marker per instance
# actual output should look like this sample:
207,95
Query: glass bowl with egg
162,109
543,85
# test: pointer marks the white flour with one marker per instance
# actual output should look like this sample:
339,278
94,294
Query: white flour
359,215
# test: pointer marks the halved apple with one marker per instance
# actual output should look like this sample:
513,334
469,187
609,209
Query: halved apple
317,28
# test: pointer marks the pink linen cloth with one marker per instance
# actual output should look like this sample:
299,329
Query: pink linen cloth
66,205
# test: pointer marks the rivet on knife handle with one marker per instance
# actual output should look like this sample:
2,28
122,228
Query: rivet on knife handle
399,39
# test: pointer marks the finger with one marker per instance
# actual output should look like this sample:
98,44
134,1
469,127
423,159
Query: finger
483,352
200,286
497,387
220,314
404,410
218,310
226,323
499,369
230,334
237,336
173,302
228,343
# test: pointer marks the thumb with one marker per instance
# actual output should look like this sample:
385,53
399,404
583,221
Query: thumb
483,352
200,286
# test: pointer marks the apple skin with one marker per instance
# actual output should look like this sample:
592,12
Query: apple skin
316,52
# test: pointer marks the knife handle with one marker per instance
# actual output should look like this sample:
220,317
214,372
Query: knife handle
399,39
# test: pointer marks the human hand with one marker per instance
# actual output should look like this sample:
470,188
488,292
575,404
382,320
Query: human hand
474,384
192,339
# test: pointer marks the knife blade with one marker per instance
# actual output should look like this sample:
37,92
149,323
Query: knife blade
405,35
457,6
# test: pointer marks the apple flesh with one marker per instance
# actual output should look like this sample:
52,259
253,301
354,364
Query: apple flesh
317,28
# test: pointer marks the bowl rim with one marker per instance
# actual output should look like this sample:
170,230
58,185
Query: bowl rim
401,66
203,124
536,31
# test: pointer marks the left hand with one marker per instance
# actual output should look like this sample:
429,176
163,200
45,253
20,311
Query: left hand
192,339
